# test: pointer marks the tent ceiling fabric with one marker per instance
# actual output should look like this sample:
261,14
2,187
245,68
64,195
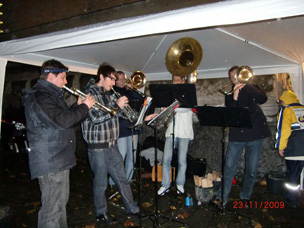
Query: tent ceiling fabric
265,35
220,51
284,36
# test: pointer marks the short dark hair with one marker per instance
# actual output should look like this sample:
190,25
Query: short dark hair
106,70
182,77
232,69
52,66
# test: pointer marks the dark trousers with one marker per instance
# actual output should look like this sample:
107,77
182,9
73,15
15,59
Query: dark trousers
104,162
293,172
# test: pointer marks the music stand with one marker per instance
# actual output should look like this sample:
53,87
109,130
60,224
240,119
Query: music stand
171,95
165,94
224,117
154,123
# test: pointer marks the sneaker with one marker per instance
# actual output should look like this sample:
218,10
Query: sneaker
180,189
106,218
162,191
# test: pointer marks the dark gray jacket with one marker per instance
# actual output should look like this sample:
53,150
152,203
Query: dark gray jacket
49,128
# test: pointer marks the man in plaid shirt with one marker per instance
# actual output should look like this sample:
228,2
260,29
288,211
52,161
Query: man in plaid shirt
100,131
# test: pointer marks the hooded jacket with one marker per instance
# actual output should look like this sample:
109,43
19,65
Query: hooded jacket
290,136
49,128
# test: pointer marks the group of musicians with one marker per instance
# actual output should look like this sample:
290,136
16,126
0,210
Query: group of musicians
111,142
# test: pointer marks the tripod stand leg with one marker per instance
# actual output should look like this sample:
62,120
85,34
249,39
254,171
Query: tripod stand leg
112,196
156,214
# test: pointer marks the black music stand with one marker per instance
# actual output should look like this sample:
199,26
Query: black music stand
165,94
168,95
224,117
154,123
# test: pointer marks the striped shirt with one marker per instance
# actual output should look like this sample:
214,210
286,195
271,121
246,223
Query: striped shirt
99,129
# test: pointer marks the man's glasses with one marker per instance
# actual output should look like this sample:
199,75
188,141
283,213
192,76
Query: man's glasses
112,78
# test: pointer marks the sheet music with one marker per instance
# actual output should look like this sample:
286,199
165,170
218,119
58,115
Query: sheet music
163,114
143,111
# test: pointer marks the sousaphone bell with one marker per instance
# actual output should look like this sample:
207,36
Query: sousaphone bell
184,56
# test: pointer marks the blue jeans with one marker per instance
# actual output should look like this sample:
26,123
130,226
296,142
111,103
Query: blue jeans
125,148
104,161
182,146
252,154
54,189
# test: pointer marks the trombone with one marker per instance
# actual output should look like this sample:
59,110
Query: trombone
137,80
97,106
243,75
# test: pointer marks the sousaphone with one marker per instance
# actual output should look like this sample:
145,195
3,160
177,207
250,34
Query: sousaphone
184,56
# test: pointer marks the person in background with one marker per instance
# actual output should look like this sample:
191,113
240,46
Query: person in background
182,127
128,138
251,139
290,143
49,129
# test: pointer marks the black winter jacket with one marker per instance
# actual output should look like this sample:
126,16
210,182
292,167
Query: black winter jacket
250,97
49,128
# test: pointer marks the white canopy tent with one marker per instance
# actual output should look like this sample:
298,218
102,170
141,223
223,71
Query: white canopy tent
267,35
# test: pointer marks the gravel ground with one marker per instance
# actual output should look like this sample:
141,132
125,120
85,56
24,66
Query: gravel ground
22,195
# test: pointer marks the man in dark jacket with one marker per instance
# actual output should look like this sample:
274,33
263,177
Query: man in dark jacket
251,139
49,127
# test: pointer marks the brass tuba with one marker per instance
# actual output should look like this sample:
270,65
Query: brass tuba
184,56
243,75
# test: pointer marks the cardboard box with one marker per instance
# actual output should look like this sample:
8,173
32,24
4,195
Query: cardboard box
207,181
159,173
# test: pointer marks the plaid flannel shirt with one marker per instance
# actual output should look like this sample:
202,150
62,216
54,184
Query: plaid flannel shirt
99,129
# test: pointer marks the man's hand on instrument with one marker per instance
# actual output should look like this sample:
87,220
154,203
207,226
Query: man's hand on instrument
122,101
89,101
236,90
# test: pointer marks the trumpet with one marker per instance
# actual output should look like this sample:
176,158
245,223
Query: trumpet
127,110
243,75
97,106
